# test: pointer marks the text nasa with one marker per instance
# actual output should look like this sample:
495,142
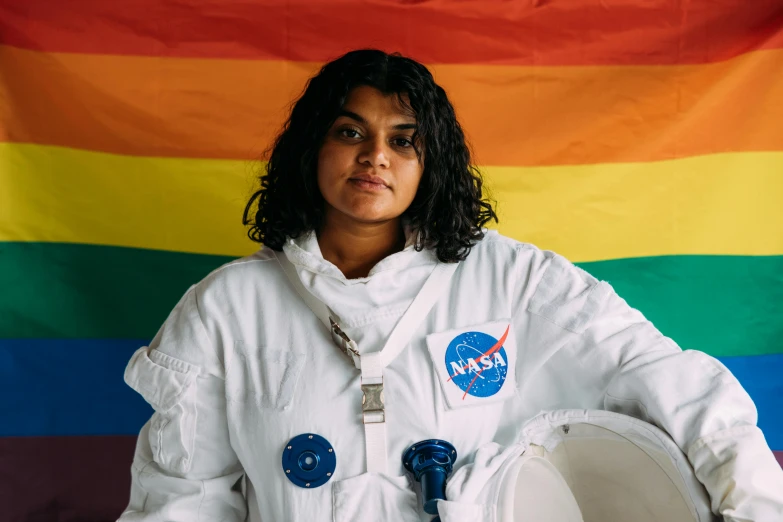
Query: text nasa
473,367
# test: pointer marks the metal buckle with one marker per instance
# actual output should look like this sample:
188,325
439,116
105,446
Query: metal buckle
345,342
372,403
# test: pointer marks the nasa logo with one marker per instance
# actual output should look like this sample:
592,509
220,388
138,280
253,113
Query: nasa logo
477,363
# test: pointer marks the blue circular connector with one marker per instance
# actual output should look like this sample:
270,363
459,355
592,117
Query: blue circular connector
430,462
309,460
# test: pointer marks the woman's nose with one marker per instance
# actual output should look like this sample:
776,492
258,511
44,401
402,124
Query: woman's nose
376,153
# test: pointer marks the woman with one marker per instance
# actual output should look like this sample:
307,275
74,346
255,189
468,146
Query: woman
369,196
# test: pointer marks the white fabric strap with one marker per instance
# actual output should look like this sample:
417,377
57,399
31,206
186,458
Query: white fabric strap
373,363
406,326
318,308
375,438
374,412
372,368
417,311
316,305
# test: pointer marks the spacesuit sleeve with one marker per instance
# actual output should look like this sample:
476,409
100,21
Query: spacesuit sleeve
184,468
687,393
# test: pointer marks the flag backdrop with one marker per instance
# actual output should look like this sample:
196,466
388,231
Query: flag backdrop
642,140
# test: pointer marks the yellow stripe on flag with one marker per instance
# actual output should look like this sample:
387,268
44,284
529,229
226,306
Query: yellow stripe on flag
717,204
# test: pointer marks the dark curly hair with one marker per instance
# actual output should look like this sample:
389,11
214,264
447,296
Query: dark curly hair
448,210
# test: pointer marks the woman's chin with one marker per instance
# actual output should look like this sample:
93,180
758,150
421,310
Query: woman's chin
371,216
362,212
372,219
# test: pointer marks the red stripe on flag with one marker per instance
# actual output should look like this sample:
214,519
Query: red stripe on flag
566,32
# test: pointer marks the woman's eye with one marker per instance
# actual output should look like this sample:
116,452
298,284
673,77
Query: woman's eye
403,142
349,133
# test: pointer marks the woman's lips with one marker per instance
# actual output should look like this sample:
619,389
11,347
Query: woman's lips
368,185
369,182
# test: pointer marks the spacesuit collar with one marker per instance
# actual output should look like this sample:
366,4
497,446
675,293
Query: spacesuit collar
305,252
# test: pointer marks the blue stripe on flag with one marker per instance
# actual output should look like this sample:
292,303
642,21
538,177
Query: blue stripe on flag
762,378
68,387
54,387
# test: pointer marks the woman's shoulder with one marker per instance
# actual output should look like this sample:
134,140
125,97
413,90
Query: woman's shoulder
495,243
549,284
240,268
524,255
239,276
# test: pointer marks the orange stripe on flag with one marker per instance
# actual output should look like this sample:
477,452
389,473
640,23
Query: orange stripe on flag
513,115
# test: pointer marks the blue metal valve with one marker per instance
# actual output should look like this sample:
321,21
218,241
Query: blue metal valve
430,462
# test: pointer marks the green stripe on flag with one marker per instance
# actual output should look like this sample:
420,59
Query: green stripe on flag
723,305
60,290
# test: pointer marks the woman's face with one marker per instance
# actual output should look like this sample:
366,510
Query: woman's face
368,170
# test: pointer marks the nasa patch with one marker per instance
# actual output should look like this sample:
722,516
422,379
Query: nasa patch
475,365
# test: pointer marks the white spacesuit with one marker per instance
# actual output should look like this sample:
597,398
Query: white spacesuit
243,366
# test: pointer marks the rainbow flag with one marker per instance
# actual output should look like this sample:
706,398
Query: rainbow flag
642,140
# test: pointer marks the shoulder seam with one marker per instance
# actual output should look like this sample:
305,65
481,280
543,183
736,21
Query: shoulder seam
240,261
206,333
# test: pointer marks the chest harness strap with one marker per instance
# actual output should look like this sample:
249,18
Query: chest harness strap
372,364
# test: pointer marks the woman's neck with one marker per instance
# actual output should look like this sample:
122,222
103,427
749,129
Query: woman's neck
355,248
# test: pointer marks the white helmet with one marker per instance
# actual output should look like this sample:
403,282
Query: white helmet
579,465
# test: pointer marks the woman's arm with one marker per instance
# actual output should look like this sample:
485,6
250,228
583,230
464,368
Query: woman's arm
701,405
184,468
614,351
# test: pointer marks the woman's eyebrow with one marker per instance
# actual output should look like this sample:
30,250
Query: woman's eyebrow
356,117
353,116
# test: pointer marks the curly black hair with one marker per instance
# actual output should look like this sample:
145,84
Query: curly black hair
448,210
